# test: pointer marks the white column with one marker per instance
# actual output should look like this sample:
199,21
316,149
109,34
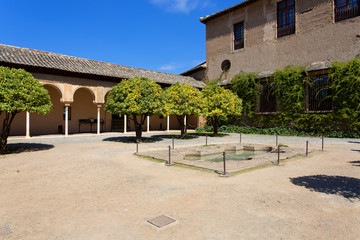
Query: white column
185,120
148,124
125,123
168,124
27,125
98,119
67,119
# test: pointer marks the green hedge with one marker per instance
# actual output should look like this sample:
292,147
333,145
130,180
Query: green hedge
289,86
281,131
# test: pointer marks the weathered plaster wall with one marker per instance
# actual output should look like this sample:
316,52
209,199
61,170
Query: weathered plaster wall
317,38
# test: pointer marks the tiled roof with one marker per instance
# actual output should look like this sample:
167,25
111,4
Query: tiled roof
227,10
54,61
194,69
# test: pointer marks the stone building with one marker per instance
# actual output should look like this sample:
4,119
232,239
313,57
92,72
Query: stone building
198,72
264,35
78,90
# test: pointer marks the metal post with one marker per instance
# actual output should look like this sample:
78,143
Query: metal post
322,143
169,155
278,154
277,140
173,143
224,160
137,146
206,140
307,148
240,137
169,162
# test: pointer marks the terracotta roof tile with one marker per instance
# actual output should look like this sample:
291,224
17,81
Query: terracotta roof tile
48,60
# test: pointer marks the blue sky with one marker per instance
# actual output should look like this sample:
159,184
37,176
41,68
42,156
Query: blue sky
161,35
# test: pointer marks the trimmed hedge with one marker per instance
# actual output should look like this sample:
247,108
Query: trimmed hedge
281,131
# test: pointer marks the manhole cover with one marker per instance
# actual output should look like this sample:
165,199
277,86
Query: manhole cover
161,221
5,229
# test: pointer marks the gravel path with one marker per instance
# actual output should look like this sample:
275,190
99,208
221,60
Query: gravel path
93,187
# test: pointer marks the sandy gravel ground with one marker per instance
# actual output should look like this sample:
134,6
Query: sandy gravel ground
95,189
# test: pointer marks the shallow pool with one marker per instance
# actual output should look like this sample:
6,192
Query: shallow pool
230,155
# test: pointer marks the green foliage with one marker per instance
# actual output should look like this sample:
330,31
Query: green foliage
289,85
183,99
247,88
281,131
221,103
136,96
346,92
20,91
289,89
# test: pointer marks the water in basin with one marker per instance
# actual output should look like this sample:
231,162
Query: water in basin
230,155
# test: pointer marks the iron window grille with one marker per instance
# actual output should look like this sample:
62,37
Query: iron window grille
238,35
285,18
320,94
345,9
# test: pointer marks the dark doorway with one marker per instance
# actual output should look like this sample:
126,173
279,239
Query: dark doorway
117,123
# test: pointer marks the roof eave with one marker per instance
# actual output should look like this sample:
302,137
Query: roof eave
225,11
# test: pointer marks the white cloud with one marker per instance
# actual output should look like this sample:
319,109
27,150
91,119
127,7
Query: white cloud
182,6
170,67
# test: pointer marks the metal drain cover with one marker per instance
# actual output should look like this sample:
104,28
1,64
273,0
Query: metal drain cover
161,221
5,229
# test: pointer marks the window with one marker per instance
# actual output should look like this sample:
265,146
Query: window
225,65
267,98
238,35
345,9
285,18
319,93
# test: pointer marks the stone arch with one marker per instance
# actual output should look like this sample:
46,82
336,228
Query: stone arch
86,88
57,87
106,94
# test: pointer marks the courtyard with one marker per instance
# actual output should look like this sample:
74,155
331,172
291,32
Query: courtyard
94,187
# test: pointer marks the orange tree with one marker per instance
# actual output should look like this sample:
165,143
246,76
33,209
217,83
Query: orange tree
220,104
183,100
137,97
19,91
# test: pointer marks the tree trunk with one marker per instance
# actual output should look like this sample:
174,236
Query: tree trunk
183,128
9,117
215,126
138,126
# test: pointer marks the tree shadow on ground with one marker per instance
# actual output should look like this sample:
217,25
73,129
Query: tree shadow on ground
355,150
355,163
353,142
132,139
346,187
176,136
14,148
